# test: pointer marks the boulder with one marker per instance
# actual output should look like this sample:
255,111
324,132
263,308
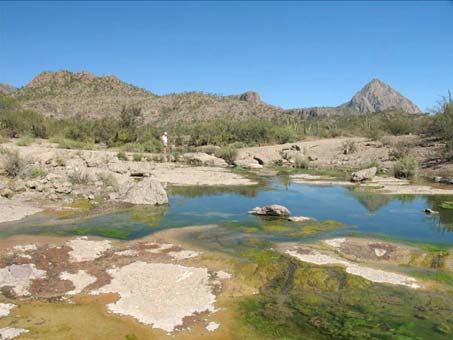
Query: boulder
251,97
271,210
430,211
201,158
147,191
364,175
299,219
248,163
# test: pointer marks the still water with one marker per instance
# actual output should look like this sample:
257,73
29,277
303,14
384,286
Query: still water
364,213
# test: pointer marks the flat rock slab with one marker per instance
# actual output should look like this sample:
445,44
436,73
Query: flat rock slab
85,250
19,276
5,309
11,333
80,280
160,294
14,211
371,274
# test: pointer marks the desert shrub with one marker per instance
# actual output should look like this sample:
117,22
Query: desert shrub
64,143
301,162
78,177
374,134
137,157
132,147
349,147
35,172
227,153
108,180
448,151
441,125
400,126
122,156
14,164
405,167
400,150
25,141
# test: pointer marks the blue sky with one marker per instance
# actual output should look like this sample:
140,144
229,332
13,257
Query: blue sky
294,54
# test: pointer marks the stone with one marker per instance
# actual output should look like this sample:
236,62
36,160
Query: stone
299,219
364,175
430,211
148,191
201,158
7,193
248,163
271,210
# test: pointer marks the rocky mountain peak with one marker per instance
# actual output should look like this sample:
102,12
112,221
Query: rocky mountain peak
378,96
251,96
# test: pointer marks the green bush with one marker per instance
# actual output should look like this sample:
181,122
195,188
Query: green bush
137,157
36,172
301,162
78,177
405,167
64,143
349,147
14,164
25,141
108,180
122,156
227,153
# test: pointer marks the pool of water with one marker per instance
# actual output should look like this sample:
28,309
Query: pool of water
399,217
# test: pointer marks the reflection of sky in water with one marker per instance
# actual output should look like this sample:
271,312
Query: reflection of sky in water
399,217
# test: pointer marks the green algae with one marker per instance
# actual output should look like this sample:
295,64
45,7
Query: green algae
304,301
285,228
447,205
104,232
151,216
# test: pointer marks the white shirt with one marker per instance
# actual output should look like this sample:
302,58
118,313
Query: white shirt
164,139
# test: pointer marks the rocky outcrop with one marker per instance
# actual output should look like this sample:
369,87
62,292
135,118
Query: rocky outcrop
377,96
248,163
148,191
6,88
201,158
251,97
364,175
271,210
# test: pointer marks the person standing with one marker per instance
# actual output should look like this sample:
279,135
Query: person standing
164,139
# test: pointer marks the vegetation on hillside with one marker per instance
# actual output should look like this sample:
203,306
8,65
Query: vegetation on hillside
129,130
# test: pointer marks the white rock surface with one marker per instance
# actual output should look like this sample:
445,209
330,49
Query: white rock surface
160,294
19,276
80,280
335,242
212,326
86,250
371,274
5,309
11,333
183,254
127,252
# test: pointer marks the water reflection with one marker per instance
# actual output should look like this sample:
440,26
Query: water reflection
371,214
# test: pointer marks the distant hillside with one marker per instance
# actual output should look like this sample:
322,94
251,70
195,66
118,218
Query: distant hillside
6,88
65,93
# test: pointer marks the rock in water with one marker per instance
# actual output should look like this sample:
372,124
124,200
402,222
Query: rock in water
248,163
271,210
430,211
147,191
364,175
299,219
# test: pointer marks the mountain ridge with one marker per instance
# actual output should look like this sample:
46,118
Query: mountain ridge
65,93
